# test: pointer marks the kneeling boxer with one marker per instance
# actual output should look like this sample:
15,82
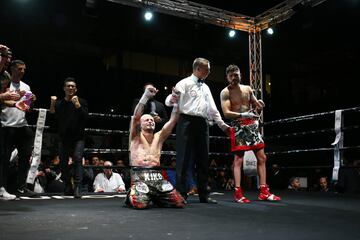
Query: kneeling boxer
147,183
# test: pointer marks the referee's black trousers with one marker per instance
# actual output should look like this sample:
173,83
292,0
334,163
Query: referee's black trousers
192,143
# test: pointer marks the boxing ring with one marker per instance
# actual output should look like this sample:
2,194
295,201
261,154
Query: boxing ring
321,134
315,141
304,215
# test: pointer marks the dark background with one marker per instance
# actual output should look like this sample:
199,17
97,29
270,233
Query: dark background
312,59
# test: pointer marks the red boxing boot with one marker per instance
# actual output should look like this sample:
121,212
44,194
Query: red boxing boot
239,196
265,194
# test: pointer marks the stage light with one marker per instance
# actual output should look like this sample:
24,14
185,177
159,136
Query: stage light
232,33
148,15
270,31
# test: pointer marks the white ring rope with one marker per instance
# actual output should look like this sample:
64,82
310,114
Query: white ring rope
310,116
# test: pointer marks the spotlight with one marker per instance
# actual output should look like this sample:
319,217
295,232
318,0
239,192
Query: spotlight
148,15
270,31
232,33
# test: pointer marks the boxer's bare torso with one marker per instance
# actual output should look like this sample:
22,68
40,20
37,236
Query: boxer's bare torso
145,151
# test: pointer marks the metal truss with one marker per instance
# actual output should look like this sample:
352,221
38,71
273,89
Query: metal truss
195,11
282,12
255,63
220,17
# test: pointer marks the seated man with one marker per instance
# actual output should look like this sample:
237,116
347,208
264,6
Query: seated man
294,184
108,181
147,183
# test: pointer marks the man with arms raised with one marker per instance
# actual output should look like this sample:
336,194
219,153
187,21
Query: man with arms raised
147,182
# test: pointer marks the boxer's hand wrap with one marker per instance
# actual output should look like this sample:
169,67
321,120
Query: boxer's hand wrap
168,101
172,99
250,115
175,108
148,93
262,104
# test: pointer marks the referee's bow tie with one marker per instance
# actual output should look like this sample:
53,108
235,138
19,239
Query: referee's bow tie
201,80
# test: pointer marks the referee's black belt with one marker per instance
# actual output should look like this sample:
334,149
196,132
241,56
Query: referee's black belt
187,116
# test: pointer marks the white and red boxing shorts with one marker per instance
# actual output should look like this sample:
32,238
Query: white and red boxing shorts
245,135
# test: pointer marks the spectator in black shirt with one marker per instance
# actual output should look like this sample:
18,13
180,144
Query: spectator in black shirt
71,114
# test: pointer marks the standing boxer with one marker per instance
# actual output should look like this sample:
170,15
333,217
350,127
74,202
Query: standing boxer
237,101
